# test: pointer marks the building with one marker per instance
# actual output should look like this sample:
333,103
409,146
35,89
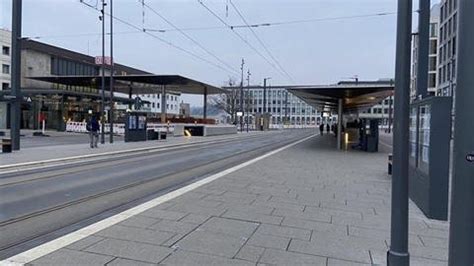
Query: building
447,48
153,103
433,56
5,60
285,109
380,111
55,102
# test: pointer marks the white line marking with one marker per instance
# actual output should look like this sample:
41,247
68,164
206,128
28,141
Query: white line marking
58,243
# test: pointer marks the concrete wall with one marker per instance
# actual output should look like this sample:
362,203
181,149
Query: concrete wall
34,63
219,130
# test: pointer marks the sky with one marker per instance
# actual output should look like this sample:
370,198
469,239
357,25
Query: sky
324,51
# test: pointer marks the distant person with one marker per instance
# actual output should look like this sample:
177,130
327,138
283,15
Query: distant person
93,128
328,128
321,129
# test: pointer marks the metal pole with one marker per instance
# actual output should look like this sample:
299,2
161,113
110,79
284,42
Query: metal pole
15,104
423,48
241,102
204,111
286,106
390,101
398,253
339,125
102,103
163,104
264,95
461,241
111,86
248,99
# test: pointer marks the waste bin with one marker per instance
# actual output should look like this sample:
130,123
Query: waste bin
163,135
6,145
152,135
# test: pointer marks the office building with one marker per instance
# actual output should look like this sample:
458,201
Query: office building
5,60
433,56
447,48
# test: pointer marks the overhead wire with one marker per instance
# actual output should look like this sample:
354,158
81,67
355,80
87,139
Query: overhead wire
190,38
159,38
239,35
260,41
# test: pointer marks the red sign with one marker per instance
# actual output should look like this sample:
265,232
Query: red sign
107,60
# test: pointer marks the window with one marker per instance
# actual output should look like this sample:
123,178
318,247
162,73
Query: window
5,69
432,80
5,86
432,63
5,50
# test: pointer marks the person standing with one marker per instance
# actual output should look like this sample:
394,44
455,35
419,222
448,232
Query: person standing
321,129
328,128
93,128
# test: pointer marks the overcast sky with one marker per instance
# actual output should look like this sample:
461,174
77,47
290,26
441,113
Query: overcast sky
319,52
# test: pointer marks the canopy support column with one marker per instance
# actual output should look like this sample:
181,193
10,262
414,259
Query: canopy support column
204,111
163,104
339,125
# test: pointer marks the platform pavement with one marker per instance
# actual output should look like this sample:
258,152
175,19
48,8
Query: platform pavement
64,145
307,205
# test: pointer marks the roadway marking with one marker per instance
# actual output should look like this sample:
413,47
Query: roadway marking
63,241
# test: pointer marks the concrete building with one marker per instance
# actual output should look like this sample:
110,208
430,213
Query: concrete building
433,56
153,105
5,61
55,102
285,109
447,48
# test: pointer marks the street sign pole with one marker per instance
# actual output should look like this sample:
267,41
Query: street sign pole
423,48
398,254
461,231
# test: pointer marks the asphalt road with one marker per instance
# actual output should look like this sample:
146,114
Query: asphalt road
38,206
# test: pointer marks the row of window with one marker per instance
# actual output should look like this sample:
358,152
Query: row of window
447,8
157,96
64,67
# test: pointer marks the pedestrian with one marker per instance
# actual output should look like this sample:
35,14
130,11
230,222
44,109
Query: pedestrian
321,129
328,128
93,128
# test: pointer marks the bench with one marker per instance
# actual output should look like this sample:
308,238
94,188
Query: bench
6,145
390,163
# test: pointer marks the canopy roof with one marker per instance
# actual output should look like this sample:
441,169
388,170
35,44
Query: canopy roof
137,84
355,96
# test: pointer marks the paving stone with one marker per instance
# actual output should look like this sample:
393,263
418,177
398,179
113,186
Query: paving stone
254,217
319,217
174,226
229,226
250,253
85,242
269,241
280,205
139,221
182,257
130,250
279,257
436,242
248,208
136,234
429,252
339,249
196,209
164,214
207,242
314,225
336,262
379,234
284,231
195,218
72,257
127,262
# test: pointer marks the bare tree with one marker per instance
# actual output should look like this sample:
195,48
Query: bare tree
228,101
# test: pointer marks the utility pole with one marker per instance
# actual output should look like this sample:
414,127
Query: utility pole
423,48
15,104
111,86
102,103
248,99
461,229
286,106
265,94
398,254
241,102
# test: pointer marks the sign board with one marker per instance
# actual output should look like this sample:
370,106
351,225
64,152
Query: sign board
239,114
107,60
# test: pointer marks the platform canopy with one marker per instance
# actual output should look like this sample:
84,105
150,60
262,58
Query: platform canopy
356,96
137,84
